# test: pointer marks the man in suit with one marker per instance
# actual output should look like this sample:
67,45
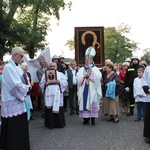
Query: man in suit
39,74
72,87
40,71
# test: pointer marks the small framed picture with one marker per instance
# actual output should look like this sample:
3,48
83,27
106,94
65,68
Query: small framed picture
51,76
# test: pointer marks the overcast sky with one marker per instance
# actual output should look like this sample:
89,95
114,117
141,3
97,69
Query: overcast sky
107,13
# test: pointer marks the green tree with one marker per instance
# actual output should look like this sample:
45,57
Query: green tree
32,30
5,30
70,44
30,25
146,55
117,45
8,35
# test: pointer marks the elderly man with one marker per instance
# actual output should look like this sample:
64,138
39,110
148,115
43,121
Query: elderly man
41,71
89,88
53,97
15,105
38,94
72,86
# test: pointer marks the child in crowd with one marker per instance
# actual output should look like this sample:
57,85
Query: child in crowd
139,95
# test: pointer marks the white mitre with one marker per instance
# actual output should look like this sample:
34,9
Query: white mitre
90,52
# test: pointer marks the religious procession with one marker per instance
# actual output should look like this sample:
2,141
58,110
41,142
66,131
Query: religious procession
74,75
85,91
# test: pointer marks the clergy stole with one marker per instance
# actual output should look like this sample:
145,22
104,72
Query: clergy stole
27,103
56,102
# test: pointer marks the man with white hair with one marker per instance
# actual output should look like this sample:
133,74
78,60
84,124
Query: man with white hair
38,94
15,105
53,98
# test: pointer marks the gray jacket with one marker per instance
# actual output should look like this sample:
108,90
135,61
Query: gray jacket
70,78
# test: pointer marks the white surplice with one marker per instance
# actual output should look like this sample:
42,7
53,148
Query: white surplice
146,81
14,91
137,89
53,94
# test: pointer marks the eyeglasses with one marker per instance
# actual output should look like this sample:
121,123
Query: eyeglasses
21,55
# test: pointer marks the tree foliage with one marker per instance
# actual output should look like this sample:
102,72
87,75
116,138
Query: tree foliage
34,29
5,31
146,56
117,46
70,44
25,23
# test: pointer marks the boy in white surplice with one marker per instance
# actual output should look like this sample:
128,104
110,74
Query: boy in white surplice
139,95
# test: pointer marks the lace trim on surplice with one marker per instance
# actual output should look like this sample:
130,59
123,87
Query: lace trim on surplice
12,108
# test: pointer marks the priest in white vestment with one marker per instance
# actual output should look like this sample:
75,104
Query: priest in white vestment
15,110
89,88
53,99
146,88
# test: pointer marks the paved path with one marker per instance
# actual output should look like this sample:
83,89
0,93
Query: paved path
125,135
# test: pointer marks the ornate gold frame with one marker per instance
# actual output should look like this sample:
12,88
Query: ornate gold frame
97,33
51,76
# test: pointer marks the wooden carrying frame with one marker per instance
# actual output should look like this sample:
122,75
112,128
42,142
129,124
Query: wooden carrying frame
83,37
51,76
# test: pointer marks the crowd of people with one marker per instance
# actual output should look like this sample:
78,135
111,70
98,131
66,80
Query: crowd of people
67,87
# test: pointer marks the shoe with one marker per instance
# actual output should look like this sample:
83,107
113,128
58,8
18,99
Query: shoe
32,118
125,111
39,108
65,109
137,119
93,121
77,113
71,113
116,121
147,140
105,114
130,114
110,119
86,121
43,115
